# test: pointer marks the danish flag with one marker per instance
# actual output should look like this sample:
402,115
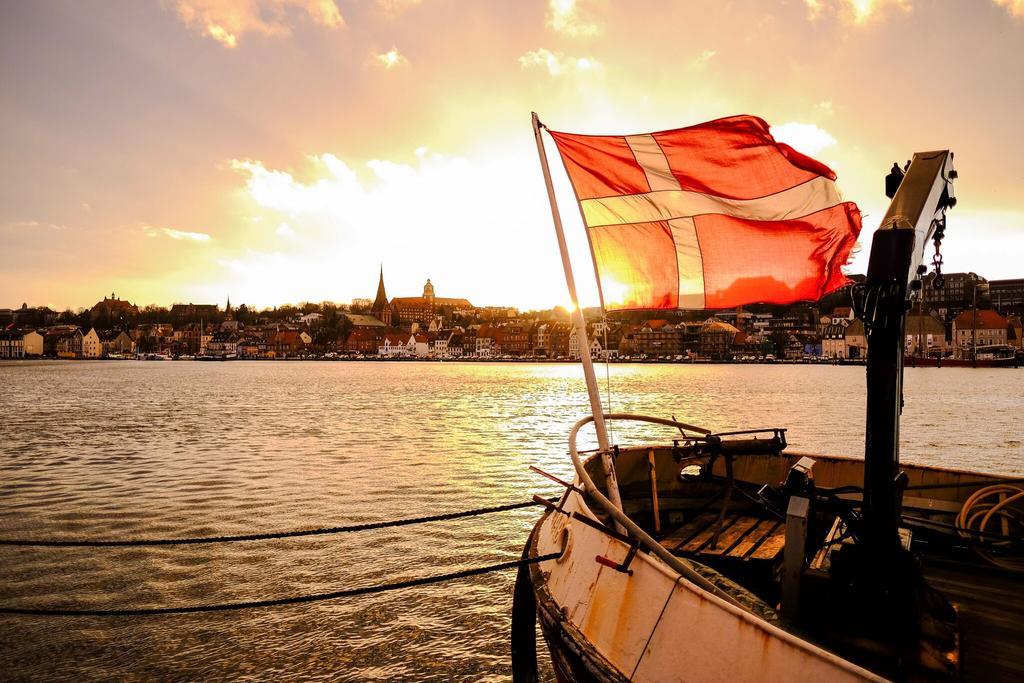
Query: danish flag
711,216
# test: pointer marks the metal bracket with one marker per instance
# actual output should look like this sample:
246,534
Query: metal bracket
623,566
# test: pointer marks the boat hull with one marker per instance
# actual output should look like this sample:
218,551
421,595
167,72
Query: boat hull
652,624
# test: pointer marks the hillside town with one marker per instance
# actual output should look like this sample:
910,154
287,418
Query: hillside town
968,317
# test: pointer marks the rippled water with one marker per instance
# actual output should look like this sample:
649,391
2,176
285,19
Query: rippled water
131,449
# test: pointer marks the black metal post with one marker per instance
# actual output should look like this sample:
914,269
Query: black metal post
884,314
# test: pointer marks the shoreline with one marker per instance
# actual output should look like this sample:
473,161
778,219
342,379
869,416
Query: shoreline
548,361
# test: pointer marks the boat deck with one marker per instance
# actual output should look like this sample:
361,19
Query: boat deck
990,602
741,537
991,608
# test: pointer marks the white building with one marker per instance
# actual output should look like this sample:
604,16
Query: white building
12,344
33,343
92,345
484,347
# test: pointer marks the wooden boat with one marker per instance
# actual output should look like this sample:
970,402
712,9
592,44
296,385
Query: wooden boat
670,601
722,557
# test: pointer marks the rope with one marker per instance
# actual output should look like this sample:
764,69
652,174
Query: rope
84,543
277,602
992,503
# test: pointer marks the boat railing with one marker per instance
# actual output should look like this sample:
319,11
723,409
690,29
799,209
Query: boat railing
680,565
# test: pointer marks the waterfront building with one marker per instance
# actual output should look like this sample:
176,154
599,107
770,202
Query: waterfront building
439,344
485,346
393,345
574,344
717,339
112,310
117,342
365,339
418,345
1014,332
32,343
223,343
92,347
513,340
542,340
833,339
252,346
1007,295
976,328
926,336
959,291
289,342
63,342
12,344
658,338
853,345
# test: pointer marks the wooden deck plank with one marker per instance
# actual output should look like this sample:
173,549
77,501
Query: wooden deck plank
688,530
773,545
732,536
704,537
756,535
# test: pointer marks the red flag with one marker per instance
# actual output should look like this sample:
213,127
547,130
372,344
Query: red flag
711,216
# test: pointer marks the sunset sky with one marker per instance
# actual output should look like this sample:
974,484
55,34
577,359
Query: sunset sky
280,151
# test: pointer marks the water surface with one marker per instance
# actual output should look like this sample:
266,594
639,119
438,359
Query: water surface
131,449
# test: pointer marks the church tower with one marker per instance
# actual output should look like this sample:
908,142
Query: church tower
381,309
428,293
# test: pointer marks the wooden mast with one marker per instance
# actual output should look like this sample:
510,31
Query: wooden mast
581,330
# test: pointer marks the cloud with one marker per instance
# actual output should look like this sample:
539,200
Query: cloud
227,20
391,59
558,64
349,215
569,18
702,59
803,137
1014,7
185,235
858,12
285,230
392,8
33,225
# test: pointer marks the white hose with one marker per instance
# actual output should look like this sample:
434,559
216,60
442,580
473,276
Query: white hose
982,508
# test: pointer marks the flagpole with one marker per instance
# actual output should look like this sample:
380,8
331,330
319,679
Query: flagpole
581,331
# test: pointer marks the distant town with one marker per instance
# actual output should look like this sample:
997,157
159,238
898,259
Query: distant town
967,318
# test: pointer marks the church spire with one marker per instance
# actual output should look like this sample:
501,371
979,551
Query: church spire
381,302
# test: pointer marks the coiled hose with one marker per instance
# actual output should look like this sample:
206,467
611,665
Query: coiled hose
999,502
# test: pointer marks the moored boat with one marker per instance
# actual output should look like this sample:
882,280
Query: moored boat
721,556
